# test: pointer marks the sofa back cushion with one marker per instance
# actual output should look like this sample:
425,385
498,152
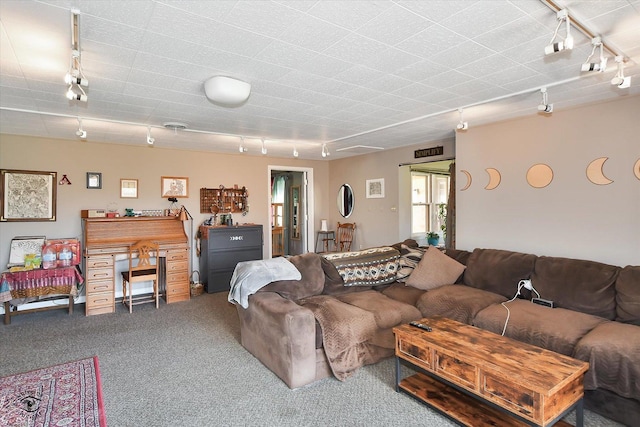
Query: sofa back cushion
498,271
580,285
368,267
628,295
333,283
312,281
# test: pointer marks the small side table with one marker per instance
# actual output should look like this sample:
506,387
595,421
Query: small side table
329,236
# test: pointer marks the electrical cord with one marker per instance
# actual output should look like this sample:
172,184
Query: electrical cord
521,284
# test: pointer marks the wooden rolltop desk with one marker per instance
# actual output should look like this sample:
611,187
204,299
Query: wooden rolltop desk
108,239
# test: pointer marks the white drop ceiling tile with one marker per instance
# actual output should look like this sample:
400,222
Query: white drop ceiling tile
481,17
388,83
312,33
274,89
255,71
218,10
326,66
358,74
262,17
351,14
487,65
394,25
446,80
361,94
455,57
134,14
387,100
356,49
16,100
420,70
285,54
513,34
436,10
332,86
11,81
118,34
432,41
391,60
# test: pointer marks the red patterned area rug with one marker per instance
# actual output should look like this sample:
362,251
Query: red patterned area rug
63,395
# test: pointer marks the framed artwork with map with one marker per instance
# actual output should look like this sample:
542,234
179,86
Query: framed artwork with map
28,195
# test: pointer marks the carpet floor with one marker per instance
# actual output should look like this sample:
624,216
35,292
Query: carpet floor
183,365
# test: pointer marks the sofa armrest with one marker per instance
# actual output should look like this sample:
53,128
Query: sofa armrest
281,334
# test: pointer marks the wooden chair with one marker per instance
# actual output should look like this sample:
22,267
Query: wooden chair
141,269
344,236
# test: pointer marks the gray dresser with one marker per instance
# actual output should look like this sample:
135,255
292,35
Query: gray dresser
222,248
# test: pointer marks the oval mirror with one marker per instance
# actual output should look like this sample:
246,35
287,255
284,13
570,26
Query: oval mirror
345,200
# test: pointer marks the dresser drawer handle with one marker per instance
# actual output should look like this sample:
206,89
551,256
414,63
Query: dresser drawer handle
100,264
100,300
101,275
102,287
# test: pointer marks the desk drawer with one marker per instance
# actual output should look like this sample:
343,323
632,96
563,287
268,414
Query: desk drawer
177,255
96,286
99,262
509,394
456,370
100,303
177,277
99,274
181,265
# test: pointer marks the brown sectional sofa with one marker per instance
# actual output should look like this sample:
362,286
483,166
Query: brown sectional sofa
596,319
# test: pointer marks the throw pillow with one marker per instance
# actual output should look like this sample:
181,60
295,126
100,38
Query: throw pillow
434,270
409,259
368,267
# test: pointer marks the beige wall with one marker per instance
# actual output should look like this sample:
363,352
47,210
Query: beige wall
75,158
570,217
386,220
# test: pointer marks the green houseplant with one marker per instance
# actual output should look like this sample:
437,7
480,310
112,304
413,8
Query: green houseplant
433,238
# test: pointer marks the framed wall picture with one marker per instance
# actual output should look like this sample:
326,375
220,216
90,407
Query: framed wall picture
28,195
375,188
94,180
128,188
174,186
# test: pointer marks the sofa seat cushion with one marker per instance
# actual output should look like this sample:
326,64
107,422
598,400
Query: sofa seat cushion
311,281
555,329
386,311
498,271
628,295
406,294
613,352
457,302
580,285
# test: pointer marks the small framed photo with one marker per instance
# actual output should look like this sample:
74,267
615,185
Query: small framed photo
375,188
128,188
94,180
174,186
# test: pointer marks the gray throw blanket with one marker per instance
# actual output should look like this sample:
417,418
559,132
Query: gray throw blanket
346,330
249,276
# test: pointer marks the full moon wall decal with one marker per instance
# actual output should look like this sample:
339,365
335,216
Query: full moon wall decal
595,172
539,175
636,169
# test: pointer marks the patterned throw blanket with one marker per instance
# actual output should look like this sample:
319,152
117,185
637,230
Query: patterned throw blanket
345,332
369,267
67,394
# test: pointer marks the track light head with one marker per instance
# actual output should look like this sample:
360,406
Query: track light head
150,139
620,80
325,150
241,147
545,108
264,148
601,65
295,152
563,44
82,134
70,79
72,96
462,126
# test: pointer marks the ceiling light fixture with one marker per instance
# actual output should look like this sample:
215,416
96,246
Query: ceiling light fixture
620,80
595,66
174,126
565,44
150,140
462,125
242,148
295,152
227,91
264,147
325,150
82,134
545,107
75,77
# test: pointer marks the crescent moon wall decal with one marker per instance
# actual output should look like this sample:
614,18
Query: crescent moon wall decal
468,175
636,169
595,173
494,178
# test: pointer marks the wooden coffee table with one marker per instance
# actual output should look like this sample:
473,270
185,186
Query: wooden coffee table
476,377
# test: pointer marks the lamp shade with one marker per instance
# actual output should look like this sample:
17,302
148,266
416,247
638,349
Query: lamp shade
227,91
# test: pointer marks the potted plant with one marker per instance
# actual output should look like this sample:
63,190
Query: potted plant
433,238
